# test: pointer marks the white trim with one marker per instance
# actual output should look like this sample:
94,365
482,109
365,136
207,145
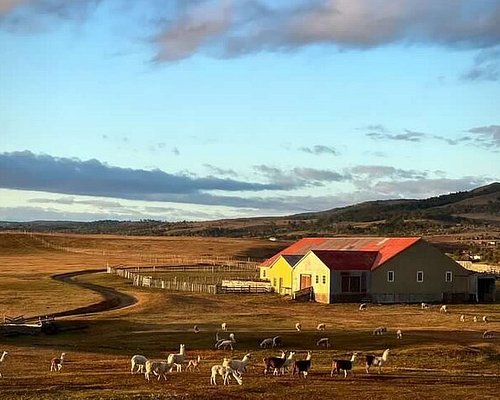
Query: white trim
420,272
389,273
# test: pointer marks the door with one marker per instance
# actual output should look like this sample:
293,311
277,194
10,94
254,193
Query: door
280,287
305,281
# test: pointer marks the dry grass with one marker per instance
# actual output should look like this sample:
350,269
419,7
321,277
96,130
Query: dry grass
438,356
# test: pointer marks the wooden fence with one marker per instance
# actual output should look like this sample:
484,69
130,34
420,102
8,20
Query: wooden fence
234,286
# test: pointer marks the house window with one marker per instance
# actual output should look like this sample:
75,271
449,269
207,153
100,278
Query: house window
390,276
324,279
274,281
420,276
317,278
448,276
263,273
352,283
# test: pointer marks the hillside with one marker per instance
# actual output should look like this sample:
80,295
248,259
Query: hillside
477,210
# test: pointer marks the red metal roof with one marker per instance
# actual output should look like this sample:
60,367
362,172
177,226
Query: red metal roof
347,260
385,246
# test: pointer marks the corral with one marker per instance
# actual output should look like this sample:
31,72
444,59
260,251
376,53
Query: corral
438,356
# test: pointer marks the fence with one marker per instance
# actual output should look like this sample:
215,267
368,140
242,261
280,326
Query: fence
234,286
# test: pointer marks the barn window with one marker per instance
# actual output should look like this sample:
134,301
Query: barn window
274,281
390,276
263,273
324,279
420,276
317,278
448,276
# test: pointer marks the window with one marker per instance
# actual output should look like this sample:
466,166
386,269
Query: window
274,281
263,273
420,276
317,278
324,279
352,283
390,276
448,276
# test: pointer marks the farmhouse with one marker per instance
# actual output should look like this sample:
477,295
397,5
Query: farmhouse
377,269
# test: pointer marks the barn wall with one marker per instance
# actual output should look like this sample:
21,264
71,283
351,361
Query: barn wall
405,288
312,265
281,269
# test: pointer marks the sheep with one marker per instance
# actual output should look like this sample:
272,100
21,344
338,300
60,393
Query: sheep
2,360
224,326
239,366
372,360
196,329
488,334
343,365
286,364
302,366
399,334
362,306
323,342
139,362
485,319
298,326
443,308
274,363
56,364
225,372
194,364
462,318
424,306
321,327
225,344
277,341
380,330
157,367
177,359
474,318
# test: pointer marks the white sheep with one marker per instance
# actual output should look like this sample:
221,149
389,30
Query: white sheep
139,362
474,318
399,334
266,343
443,308
488,334
362,306
462,318
424,306
239,366
321,326
323,342
485,319
380,330
298,326
224,326
225,344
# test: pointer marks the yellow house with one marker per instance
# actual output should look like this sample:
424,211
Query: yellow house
280,273
310,271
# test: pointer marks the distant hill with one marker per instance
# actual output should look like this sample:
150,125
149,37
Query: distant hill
450,213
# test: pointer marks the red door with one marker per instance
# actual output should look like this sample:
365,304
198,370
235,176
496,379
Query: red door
305,281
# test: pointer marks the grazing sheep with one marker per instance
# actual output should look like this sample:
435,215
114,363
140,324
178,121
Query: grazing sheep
302,366
485,319
2,360
298,326
225,344
194,364
225,372
372,360
139,362
323,342
223,326
380,330
266,343
474,318
277,341
343,365
424,306
443,309
196,329
399,334
462,318
321,326
362,306
56,364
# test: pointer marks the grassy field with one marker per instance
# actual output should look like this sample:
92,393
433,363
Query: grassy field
438,356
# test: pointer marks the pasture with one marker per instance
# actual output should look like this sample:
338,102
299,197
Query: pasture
438,355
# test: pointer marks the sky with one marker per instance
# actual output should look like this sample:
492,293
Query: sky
207,109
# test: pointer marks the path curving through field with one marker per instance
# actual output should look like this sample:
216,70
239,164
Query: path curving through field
112,299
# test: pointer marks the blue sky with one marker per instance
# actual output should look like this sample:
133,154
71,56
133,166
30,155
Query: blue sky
204,109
